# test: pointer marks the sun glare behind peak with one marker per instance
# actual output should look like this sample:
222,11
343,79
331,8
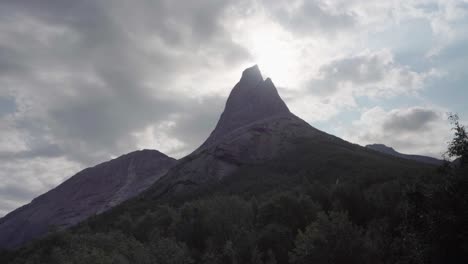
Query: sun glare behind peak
273,54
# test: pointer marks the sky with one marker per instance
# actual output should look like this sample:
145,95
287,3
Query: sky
82,82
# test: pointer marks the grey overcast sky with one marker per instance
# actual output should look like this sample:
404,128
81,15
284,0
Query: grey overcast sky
84,81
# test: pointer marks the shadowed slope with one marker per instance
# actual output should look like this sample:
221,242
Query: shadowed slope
390,151
255,129
252,99
91,191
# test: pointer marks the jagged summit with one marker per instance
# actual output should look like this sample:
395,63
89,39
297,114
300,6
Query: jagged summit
252,74
252,99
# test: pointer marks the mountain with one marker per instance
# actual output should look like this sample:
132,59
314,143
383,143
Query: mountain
263,183
390,151
252,99
89,192
257,129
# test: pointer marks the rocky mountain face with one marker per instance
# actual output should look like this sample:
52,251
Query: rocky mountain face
244,196
89,192
256,132
255,127
252,99
390,151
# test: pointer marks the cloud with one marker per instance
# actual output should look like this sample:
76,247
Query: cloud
372,74
80,81
7,106
311,17
24,179
415,130
447,24
337,84
185,130
412,120
89,74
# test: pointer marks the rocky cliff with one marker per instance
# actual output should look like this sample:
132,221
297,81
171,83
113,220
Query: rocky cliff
256,126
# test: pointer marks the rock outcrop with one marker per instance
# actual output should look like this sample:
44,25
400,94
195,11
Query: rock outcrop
89,192
256,126
252,99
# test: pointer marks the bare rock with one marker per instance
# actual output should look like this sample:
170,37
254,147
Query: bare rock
89,192
252,99
256,126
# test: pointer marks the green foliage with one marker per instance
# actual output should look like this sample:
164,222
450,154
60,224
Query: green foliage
437,220
169,251
351,198
286,209
458,146
302,208
332,238
87,248
276,239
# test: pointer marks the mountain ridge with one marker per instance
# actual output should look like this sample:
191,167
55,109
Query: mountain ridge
255,129
390,151
254,140
266,188
91,191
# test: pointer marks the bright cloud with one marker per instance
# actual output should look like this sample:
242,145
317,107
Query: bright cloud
421,130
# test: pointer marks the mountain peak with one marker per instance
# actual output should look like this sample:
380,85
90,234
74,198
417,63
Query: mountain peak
252,99
252,74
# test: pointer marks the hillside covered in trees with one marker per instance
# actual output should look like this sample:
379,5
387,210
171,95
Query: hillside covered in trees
278,213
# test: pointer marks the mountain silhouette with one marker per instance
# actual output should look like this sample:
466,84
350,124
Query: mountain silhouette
252,99
257,146
89,192
390,151
256,129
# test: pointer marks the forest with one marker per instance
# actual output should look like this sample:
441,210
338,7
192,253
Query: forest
306,217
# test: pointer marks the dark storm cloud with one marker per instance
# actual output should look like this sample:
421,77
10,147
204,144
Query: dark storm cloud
415,119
